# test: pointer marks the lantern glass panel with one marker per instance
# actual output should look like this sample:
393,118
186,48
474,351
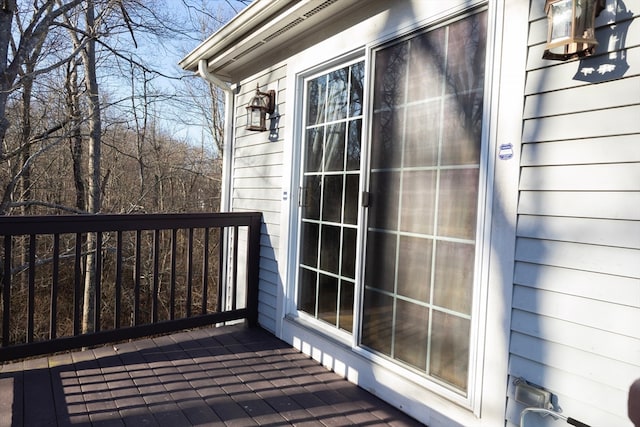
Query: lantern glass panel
585,20
561,14
257,119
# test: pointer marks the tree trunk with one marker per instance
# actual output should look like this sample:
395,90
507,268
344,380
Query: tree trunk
6,21
94,194
75,140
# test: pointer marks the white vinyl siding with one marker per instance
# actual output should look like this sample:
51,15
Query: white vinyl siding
257,185
576,299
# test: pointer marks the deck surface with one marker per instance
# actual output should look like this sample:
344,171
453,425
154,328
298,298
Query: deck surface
230,376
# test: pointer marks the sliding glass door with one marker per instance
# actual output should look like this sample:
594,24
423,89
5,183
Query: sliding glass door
423,174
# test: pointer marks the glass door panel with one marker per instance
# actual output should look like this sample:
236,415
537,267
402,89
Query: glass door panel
329,196
424,191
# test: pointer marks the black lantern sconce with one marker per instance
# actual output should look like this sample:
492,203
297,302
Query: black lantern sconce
261,104
571,31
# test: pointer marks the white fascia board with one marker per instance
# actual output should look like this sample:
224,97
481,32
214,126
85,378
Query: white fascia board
241,25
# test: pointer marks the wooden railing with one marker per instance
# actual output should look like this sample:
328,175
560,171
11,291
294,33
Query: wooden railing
80,281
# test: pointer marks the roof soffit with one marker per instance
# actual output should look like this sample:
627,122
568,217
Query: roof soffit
266,35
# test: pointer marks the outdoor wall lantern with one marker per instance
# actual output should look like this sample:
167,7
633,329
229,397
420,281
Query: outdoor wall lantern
571,32
261,104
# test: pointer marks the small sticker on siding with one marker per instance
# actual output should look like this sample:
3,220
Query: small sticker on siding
506,151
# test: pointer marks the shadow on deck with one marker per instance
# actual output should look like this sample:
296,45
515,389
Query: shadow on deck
229,376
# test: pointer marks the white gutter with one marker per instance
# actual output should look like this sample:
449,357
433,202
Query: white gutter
225,196
245,22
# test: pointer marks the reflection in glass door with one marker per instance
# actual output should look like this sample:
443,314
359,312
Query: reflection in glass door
329,195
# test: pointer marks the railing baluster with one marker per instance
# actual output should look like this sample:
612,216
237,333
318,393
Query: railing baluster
189,271
31,298
77,284
221,264
97,304
172,285
156,269
234,285
55,274
118,282
6,292
136,284
205,271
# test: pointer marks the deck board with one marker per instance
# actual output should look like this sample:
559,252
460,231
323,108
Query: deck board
230,376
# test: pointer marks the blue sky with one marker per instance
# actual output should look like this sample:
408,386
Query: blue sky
164,54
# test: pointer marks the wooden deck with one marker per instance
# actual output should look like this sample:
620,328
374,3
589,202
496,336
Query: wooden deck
230,376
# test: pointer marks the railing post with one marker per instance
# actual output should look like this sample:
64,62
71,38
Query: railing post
253,269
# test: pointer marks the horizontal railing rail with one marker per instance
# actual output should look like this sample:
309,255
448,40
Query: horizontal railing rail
80,281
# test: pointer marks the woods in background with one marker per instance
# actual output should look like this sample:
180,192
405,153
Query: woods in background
83,114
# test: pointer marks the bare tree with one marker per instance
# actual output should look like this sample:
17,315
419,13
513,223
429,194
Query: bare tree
55,99
95,135
23,34
203,100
